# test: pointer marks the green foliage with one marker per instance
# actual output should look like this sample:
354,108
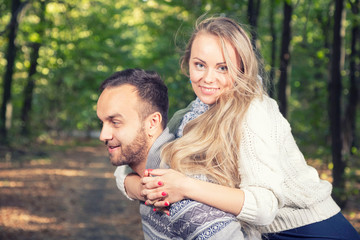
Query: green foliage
86,41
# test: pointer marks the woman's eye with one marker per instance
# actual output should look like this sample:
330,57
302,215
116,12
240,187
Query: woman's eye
199,65
223,68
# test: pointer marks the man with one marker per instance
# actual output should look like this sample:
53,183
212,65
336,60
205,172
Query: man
133,109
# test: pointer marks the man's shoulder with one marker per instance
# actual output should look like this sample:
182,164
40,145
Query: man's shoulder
175,121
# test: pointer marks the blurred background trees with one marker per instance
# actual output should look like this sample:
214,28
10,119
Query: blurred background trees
54,54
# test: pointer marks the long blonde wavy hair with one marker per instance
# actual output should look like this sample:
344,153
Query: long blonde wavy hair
211,142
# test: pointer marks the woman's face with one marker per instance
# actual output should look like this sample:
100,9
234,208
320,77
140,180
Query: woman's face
207,67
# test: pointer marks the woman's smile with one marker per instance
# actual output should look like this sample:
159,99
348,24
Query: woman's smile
208,90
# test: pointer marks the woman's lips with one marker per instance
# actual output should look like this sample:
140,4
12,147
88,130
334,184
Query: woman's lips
208,90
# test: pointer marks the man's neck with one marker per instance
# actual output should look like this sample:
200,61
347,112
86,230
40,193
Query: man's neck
140,167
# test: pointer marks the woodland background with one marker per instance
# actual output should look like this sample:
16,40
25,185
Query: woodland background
54,54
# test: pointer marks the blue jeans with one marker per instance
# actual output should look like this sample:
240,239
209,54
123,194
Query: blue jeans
334,228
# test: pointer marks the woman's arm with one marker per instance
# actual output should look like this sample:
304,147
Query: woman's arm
176,186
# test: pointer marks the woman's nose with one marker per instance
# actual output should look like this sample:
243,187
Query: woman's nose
209,76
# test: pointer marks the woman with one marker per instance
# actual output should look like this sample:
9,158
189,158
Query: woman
236,136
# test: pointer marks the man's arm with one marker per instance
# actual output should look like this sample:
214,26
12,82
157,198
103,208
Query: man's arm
128,183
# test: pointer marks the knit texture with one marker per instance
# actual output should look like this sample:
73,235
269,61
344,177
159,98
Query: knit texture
188,219
281,191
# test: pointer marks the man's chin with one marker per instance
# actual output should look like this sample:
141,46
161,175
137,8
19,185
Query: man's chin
116,162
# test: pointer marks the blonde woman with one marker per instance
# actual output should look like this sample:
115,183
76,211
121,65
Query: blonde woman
235,135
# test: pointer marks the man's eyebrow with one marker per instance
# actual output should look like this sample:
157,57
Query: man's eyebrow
118,115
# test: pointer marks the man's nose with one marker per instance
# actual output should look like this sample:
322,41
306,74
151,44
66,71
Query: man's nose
106,133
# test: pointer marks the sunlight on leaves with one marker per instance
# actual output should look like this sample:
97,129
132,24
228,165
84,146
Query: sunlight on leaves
331,166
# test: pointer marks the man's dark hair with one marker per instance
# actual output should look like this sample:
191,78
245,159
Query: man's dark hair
150,88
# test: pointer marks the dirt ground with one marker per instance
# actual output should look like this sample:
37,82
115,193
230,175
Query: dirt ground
72,197
71,194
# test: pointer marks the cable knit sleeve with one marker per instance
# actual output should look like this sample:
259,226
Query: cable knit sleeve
120,174
259,164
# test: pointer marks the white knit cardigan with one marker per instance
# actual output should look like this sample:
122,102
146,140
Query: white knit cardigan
281,191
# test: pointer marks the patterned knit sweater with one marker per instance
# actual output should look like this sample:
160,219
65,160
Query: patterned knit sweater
188,220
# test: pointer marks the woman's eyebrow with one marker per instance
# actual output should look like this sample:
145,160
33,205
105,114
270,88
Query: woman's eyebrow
199,59
220,63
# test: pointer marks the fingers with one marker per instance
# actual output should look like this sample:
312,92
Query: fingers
147,172
152,182
159,172
155,172
157,204
164,210
154,195
162,204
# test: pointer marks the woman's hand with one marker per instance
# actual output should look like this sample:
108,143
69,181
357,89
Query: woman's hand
164,186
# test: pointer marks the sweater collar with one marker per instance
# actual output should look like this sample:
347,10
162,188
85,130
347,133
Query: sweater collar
197,108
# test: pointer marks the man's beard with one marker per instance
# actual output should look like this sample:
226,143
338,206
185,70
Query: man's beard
134,153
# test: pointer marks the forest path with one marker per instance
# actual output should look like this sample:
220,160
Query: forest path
73,196
70,194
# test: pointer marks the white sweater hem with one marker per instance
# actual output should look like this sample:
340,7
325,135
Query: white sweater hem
290,218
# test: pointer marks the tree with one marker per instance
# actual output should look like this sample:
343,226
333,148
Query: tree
285,57
349,121
29,89
16,7
253,14
273,48
335,89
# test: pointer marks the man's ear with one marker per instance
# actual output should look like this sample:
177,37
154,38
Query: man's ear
154,124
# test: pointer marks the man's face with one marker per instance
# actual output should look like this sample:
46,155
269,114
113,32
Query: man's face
123,130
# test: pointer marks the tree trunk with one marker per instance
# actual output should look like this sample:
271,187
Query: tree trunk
349,124
253,14
335,106
5,116
28,91
273,50
285,58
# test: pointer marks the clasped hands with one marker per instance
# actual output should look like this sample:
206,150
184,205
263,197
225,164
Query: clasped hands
162,187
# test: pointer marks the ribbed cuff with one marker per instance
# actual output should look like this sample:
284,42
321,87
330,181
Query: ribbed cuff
120,176
248,212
